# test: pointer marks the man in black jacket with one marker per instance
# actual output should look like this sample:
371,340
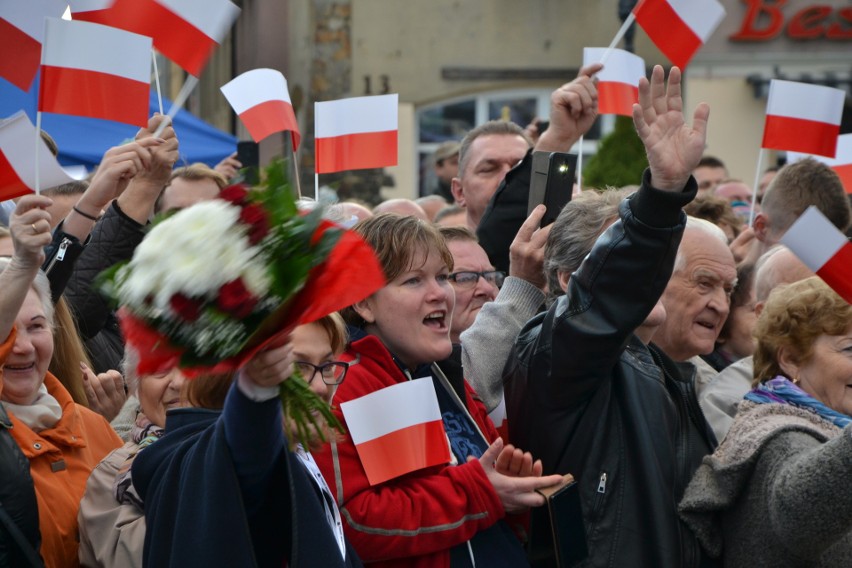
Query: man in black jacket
598,403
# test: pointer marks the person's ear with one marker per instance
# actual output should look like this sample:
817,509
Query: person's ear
458,193
563,276
788,363
761,227
364,309
758,307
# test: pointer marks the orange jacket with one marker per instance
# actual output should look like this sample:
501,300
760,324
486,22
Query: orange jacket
61,459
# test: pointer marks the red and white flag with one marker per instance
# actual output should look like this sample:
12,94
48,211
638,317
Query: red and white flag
357,133
618,81
95,71
185,31
823,249
803,118
397,430
21,36
840,163
95,11
18,163
262,101
679,27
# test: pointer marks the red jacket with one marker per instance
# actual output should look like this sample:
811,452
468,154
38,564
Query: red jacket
414,520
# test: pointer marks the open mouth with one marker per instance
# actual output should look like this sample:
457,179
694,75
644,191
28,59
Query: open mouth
18,368
436,320
707,325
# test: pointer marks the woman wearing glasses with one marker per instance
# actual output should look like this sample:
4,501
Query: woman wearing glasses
226,475
445,515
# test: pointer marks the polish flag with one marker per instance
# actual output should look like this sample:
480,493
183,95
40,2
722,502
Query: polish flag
357,133
18,163
618,81
21,36
95,11
679,27
261,99
840,163
185,31
95,71
803,118
397,430
823,249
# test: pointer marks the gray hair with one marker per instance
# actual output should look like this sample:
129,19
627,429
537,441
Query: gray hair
128,369
702,226
575,231
490,128
41,286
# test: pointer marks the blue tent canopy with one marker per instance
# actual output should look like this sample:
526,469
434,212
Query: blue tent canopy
83,141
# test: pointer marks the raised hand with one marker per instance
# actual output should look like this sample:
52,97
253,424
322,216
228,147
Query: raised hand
673,147
163,156
516,493
30,229
105,392
270,367
573,110
526,253
229,166
515,462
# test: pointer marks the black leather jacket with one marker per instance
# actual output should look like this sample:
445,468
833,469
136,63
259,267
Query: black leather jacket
588,398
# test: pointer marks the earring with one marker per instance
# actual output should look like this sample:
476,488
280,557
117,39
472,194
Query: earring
796,380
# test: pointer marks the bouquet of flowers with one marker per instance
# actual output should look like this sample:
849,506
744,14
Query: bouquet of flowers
211,285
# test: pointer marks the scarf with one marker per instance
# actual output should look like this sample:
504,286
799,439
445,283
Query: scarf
144,433
781,390
44,412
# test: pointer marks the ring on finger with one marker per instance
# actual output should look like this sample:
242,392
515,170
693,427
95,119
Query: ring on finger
34,228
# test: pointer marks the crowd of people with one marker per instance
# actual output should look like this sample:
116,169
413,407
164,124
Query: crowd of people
689,372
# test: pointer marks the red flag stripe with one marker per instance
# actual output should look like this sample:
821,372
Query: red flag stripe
173,36
356,151
96,95
94,16
797,135
11,185
845,173
837,272
668,32
403,451
271,117
21,56
617,98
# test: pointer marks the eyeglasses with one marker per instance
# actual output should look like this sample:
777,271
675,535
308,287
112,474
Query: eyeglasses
331,373
468,279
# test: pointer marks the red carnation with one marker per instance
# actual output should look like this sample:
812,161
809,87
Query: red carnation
255,217
236,299
185,307
236,194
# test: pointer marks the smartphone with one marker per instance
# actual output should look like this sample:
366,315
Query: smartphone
551,183
248,154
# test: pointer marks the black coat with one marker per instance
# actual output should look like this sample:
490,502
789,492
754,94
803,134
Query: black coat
588,398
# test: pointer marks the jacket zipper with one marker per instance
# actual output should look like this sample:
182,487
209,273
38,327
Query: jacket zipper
601,492
60,253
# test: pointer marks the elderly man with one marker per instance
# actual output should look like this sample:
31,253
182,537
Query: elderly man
597,403
720,398
697,298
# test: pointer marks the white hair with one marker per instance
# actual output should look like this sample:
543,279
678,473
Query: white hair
701,225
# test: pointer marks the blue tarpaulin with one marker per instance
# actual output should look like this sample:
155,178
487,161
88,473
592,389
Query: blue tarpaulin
83,141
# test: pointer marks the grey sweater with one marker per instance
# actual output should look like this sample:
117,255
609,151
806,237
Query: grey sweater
776,491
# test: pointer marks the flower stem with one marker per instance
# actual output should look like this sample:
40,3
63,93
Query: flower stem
305,412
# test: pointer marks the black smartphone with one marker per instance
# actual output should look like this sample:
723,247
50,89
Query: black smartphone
557,531
551,183
248,154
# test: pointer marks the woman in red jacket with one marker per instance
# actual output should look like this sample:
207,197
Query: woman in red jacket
445,515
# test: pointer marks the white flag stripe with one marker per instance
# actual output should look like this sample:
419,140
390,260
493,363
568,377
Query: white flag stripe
213,17
843,156
254,87
814,239
806,102
17,135
28,15
620,67
357,115
393,408
93,47
89,5
702,16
